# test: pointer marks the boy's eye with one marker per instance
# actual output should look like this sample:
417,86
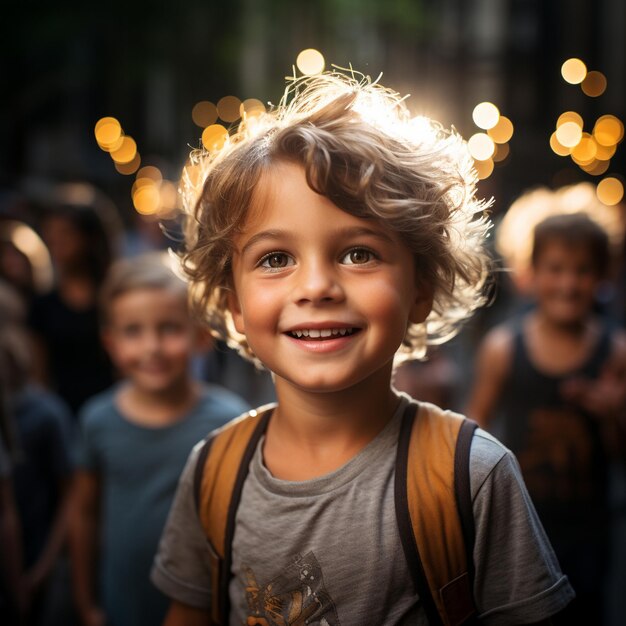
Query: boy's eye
358,256
276,260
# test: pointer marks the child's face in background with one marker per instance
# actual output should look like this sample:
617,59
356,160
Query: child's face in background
64,240
565,280
150,338
323,297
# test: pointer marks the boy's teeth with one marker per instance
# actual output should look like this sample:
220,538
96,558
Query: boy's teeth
324,333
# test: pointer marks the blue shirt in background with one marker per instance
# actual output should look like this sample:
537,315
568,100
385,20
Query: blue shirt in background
139,467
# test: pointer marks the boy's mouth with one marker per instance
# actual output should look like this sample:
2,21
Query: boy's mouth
321,333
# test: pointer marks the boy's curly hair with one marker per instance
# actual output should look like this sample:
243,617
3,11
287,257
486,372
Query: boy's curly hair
360,148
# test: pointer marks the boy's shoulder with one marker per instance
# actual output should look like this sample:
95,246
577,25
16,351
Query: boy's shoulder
98,407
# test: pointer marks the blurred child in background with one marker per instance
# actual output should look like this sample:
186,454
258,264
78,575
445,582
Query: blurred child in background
41,429
554,383
75,227
135,440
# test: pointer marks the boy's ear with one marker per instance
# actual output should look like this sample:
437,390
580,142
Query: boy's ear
422,306
235,310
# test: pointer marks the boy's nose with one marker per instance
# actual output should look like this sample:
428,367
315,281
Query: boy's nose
318,283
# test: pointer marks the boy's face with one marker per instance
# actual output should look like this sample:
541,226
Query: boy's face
150,338
324,298
565,282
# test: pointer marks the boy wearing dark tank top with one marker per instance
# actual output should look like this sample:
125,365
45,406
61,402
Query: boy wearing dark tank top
552,383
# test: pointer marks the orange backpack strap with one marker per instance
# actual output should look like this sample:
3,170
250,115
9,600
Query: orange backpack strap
218,482
434,510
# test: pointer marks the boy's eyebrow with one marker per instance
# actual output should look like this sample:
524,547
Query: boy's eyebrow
350,231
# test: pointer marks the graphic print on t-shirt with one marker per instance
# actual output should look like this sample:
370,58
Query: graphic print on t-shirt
294,597
557,460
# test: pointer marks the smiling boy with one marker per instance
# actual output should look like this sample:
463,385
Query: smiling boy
326,245
135,439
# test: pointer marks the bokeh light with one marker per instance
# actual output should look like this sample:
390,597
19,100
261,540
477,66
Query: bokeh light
147,199
597,167
557,147
151,172
251,108
570,116
608,130
214,137
604,153
501,153
594,84
610,191
108,132
485,115
481,146
310,62
573,71
502,131
569,134
228,108
484,168
129,168
204,113
126,152
585,151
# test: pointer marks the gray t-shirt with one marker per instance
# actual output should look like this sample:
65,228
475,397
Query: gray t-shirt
327,550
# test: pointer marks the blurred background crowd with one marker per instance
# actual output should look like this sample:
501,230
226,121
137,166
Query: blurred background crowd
101,105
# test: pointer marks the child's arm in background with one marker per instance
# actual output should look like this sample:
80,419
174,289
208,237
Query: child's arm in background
40,571
492,367
182,615
84,523
605,397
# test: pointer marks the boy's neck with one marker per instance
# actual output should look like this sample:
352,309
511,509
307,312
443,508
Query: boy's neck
573,329
311,434
157,407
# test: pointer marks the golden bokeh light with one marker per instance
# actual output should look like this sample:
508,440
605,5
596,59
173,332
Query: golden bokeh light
214,137
610,191
228,108
310,62
251,108
573,71
147,199
608,130
126,152
570,116
481,146
484,168
151,172
485,115
604,153
594,84
501,153
204,113
141,182
597,167
129,168
557,147
586,150
569,134
108,132
502,131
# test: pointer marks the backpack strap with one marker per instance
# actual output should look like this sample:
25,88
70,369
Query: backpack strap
434,510
218,482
